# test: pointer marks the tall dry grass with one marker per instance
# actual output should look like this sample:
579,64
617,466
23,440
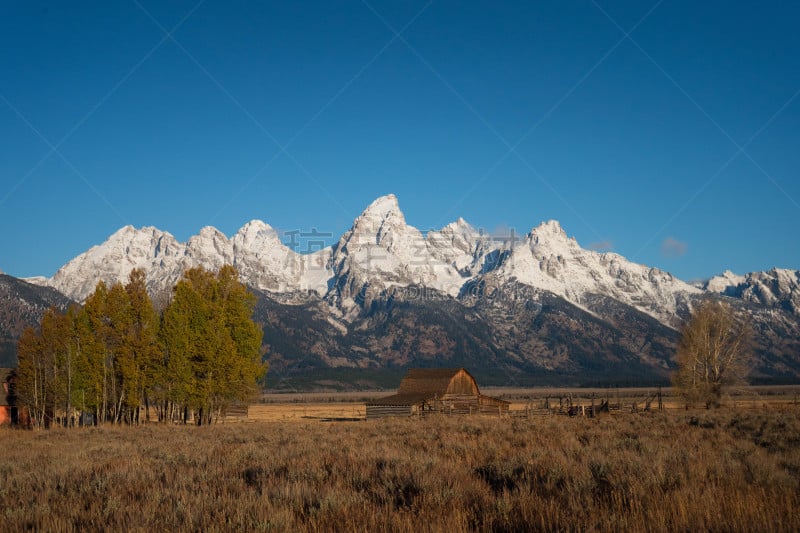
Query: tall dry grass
645,472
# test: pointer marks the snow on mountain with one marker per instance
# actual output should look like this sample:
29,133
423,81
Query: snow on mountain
461,246
774,288
148,248
721,283
266,263
381,251
548,259
263,261
37,280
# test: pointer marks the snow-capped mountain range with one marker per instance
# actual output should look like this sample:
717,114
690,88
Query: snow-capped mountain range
379,252
387,296
778,288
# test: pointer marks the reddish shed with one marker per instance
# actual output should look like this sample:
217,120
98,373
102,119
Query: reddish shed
7,396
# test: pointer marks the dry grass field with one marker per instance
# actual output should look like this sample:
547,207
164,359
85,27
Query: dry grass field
726,470
305,411
343,405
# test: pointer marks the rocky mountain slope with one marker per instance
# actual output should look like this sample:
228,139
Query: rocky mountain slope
530,309
777,288
22,304
256,250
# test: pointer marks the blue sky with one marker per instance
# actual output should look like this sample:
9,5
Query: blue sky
668,132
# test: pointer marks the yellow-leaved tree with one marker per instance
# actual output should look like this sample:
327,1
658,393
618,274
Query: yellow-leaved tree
713,353
212,347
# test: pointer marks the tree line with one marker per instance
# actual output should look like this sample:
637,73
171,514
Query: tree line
117,360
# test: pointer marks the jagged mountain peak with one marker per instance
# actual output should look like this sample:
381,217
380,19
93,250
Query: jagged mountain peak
381,223
552,227
380,252
128,233
387,288
777,288
550,233
378,222
460,227
210,231
255,235
257,226
383,206
549,259
722,282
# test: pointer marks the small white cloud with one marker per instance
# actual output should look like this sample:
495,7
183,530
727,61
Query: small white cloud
672,247
602,246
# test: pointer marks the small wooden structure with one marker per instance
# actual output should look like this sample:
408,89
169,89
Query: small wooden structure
436,390
8,412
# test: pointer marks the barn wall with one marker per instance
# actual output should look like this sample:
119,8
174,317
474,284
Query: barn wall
379,411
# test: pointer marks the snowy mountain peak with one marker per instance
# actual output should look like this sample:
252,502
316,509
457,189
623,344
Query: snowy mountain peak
123,231
550,237
211,232
112,261
547,231
550,260
380,251
383,207
256,226
721,283
460,229
552,226
777,287
382,223
256,234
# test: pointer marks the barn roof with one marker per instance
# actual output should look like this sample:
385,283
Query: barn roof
422,384
401,399
428,381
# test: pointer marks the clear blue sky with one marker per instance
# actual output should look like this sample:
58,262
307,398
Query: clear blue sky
668,131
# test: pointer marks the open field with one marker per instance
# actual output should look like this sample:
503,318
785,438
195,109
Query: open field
731,470
305,411
338,405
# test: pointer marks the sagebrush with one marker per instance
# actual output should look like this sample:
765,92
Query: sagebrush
643,472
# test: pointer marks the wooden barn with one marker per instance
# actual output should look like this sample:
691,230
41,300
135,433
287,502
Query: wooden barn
436,390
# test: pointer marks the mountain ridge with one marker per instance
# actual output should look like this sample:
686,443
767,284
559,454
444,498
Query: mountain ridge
22,304
379,251
521,308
